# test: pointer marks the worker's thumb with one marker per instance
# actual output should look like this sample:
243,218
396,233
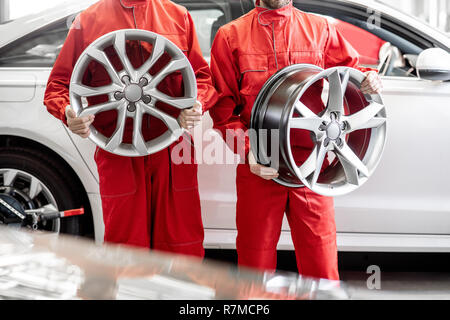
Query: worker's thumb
198,107
70,113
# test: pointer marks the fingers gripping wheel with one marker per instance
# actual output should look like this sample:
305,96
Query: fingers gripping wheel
346,138
133,91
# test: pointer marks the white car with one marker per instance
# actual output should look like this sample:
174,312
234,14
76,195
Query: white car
405,206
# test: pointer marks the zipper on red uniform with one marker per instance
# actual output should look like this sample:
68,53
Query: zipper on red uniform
135,26
139,41
142,54
274,45
273,34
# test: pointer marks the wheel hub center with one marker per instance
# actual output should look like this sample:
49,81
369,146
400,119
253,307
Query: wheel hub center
333,130
133,93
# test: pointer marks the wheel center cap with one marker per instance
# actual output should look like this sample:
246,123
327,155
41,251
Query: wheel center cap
133,93
333,131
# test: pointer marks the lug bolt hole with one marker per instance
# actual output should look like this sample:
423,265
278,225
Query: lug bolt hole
323,126
334,116
147,99
131,107
126,80
119,95
340,142
143,82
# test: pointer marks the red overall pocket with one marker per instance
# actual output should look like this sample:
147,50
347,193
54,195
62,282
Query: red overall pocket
116,174
254,73
183,169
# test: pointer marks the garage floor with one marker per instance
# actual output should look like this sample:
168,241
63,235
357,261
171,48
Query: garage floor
399,285
403,276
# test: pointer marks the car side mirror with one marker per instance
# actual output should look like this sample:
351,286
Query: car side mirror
390,57
434,64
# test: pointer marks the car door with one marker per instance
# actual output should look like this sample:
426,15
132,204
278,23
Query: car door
408,194
24,68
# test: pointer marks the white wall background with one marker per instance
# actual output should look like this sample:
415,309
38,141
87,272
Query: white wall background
434,12
19,8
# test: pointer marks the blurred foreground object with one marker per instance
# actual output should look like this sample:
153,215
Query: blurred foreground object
47,266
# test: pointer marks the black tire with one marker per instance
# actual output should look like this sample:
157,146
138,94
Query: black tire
54,175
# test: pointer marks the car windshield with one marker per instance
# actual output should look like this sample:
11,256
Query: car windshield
39,49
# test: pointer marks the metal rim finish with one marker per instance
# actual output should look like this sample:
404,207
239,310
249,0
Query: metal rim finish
29,191
133,91
350,132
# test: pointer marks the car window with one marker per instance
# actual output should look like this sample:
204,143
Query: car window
38,49
41,48
210,15
374,35
374,51
206,21
367,44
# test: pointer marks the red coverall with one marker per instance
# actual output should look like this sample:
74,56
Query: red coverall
245,53
147,201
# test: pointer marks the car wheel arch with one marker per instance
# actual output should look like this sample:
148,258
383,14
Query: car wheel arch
33,145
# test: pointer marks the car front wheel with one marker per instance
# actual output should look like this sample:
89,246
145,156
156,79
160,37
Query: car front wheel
30,179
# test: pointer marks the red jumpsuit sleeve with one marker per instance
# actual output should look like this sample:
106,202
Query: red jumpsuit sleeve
56,96
207,94
339,52
226,79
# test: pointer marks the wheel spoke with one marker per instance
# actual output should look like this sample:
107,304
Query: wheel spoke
170,121
100,108
117,137
336,94
120,44
353,160
9,177
351,173
365,119
85,91
180,103
35,188
320,158
172,66
102,58
304,110
314,162
138,140
344,81
311,124
157,52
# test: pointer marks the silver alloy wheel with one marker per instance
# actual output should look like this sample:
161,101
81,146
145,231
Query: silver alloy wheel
28,190
350,132
133,91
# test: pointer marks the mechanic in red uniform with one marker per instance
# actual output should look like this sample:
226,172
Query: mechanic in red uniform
245,53
147,201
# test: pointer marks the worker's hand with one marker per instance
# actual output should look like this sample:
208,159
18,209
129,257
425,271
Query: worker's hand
190,118
267,173
79,125
372,84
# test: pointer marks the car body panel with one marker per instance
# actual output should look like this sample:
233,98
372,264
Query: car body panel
349,242
17,86
29,119
408,193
